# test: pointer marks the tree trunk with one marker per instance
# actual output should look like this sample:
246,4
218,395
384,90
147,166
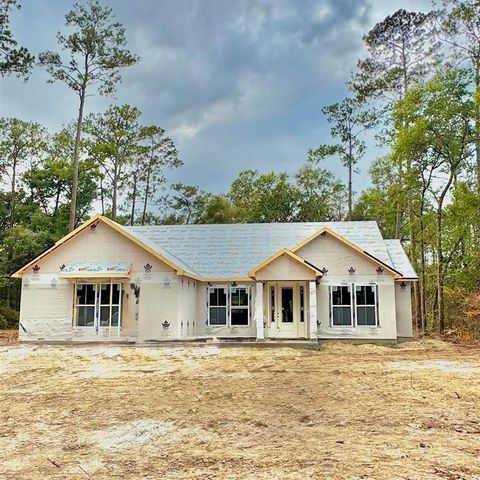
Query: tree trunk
102,195
350,168
440,258
147,189
477,126
13,192
440,282
134,197
422,277
114,193
76,158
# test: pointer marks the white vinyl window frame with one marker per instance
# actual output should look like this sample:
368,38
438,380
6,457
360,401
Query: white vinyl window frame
374,305
228,306
209,307
351,289
246,307
97,305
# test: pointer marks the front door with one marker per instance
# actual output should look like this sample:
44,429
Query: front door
287,304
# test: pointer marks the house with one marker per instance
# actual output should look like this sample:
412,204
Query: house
104,281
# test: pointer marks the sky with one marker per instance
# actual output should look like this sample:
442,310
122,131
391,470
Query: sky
237,84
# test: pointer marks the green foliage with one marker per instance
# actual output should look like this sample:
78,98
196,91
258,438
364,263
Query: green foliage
14,59
8,318
96,50
401,51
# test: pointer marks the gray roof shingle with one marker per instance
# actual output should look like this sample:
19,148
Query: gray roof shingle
232,250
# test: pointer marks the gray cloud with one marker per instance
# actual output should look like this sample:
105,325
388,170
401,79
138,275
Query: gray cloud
237,84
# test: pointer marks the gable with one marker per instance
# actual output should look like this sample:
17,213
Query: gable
284,265
329,250
103,243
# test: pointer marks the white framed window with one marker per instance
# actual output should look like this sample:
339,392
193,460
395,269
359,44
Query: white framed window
228,306
98,304
341,305
366,305
86,304
239,306
217,306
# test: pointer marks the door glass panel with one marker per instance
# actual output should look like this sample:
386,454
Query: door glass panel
86,316
287,305
302,304
272,304
85,294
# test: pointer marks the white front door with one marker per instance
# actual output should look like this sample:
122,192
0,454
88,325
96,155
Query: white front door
287,310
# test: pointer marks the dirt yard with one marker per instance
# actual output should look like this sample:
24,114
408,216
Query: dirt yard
344,412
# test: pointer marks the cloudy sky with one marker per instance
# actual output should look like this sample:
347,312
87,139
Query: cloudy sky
237,83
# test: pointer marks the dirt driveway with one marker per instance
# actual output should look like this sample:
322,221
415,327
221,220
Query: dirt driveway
344,412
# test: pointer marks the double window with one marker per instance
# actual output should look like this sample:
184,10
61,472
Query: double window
228,305
353,305
98,304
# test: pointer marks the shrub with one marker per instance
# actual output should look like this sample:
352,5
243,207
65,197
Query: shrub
10,316
3,323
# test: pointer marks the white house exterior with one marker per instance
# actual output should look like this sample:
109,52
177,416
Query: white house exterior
317,281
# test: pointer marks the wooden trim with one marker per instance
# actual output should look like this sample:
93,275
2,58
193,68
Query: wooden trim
118,228
91,220
275,256
348,243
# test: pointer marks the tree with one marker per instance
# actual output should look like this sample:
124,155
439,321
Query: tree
20,142
460,30
263,197
321,197
14,60
348,120
157,153
401,49
434,129
49,181
113,141
188,203
401,52
96,50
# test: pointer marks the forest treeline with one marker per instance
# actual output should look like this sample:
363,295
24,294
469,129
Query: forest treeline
417,89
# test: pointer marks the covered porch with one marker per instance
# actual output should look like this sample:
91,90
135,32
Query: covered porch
285,297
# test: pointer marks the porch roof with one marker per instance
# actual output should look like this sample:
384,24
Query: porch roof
103,269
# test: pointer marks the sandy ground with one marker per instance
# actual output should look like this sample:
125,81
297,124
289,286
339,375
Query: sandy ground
344,412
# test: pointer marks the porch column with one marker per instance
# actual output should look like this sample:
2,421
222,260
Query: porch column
258,311
312,309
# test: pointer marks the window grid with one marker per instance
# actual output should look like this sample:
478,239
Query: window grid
98,305
354,304
231,304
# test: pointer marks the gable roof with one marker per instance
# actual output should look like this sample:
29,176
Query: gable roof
349,244
400,259
277,255
156,251
230,251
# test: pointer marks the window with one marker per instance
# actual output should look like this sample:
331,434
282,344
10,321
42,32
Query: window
217,305
341,302
105,297
228,306
94,302
86,304
239,306
365,299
